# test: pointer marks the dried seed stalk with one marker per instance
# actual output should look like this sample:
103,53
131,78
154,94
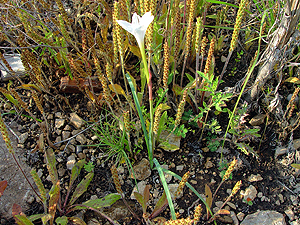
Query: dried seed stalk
182,183
115,176
230,169
180,108
209,56
166,64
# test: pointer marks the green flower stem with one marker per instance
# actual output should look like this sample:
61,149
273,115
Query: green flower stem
149,83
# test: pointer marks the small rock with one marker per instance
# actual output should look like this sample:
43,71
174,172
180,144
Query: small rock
290,214
249,193
181,211
172,165
71,162
280,196
81,139
173,189
168,177
205,149
296,143
59,115
50,116
280,151
219,204
264,217
59,123
66,135
142,170
254,178
294,200
260,195
231,205
81,155
240,216
67,128
258,120
93,197
234,218
30,200
141,186
23,137
40,173
180,167
94,138
208,163
194,182
76,121
61,171
277,202
296,222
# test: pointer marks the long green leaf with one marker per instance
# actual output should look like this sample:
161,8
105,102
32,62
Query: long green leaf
76,171
165,185
106,201
81,187
51,165
138,107
22,220
54,197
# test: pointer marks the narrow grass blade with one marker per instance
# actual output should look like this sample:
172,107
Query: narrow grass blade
165,185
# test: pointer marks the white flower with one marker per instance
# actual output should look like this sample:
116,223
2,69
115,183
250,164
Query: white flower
138,26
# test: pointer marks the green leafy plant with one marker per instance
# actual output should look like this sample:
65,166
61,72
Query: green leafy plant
55,205
89,167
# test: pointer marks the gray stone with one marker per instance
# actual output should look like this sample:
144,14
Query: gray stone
240,216
234,218
59,123
142,170
71,162
81,139
23,137
59,115
61,171
280,151
14,60
254,178
180,167
296,143
76,121
258,120
249,193
66,135
264,217
140,186
290,214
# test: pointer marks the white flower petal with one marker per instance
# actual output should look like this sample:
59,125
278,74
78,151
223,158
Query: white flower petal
138,26
126,26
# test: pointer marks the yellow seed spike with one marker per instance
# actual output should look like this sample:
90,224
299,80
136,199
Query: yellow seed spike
190,28
237,25
37,101
180,109
157,119
166,64
108,68
5,135
126,121
63,12
63,29
198,35
115,176
182,183
186,221
20,101
236,188
230,169
117,34
39,184
209,56
203,46
198,212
